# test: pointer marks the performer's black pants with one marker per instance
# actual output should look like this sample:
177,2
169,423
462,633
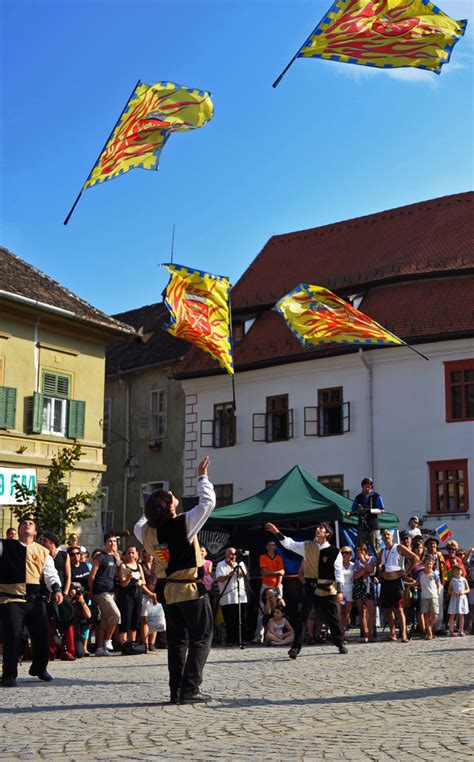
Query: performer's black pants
189,636
230,612
14,616
326,610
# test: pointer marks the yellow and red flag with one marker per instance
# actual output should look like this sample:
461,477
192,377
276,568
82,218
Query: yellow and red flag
199,306
152,114
387,34
317,316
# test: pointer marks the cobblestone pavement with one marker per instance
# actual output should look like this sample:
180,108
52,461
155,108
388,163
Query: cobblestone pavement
381,701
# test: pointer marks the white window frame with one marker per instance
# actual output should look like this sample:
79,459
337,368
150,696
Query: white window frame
158,421
106,517
50,404
149,487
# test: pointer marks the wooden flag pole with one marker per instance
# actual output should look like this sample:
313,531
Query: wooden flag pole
100,154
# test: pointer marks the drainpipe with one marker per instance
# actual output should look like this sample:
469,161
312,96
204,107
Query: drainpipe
127,455
36,356
370,412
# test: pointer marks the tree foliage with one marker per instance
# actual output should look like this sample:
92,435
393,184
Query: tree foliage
49,503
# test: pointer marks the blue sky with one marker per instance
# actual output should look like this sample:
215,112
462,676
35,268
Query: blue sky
333,141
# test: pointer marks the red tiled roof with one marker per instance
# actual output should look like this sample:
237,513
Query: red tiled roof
20,278
426,238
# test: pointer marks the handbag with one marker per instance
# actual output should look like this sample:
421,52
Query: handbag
133,649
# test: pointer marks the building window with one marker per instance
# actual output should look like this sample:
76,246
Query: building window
107,421
220,431
448,486
106,516
459,389
148,488
56,389
334,482
276,425
331,416
224,494
158,414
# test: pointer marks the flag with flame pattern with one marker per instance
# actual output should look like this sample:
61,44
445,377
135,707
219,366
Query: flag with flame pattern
387,34
152,114
317,316
199,306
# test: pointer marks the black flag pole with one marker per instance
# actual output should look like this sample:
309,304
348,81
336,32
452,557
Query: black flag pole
100,154
279,79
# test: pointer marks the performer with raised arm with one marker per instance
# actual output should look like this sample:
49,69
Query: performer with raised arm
172,541
324,579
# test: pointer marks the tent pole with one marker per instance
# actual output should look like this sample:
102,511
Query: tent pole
336,526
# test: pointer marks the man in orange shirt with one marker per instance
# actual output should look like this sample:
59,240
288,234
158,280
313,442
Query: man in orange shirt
272,571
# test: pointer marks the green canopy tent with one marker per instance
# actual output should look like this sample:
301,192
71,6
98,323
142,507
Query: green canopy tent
297,500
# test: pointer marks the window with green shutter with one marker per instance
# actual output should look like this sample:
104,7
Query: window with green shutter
56,384
76,419
7,407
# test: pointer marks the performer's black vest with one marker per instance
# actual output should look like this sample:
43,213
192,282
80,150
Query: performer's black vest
21,568
319,568
176,558
370,520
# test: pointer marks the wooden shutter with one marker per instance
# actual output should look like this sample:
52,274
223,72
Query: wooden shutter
56,385
311,421
346,417
7,407
76,419
37,422
207,433
259,427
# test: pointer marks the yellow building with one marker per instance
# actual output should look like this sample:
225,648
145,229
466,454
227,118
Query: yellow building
52,366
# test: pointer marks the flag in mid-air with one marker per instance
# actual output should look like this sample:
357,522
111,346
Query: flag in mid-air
199,307
386,34
317,316
443,532
152,114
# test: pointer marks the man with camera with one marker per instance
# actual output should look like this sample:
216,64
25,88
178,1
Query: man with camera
230,575
367,506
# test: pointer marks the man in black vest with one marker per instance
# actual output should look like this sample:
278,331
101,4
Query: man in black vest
172,541
324,580
24,564
367,506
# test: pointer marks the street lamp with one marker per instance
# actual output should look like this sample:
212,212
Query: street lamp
131,467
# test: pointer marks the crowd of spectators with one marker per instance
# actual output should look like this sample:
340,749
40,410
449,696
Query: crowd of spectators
111,602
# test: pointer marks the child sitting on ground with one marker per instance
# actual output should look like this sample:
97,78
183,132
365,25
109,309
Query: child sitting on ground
279,630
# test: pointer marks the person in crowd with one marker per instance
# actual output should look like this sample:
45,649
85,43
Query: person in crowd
345,606
79,569
85,557
367,506
232,594
323,582
439,565
365,591
130,595
272,570
452,559
62,563
172,539
470,597
405,539
149,600
82,617
412,591
279,631
73,539
269,600
24,563
11,534
413,527
391,589
207,578
103,583
458,606
428,582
